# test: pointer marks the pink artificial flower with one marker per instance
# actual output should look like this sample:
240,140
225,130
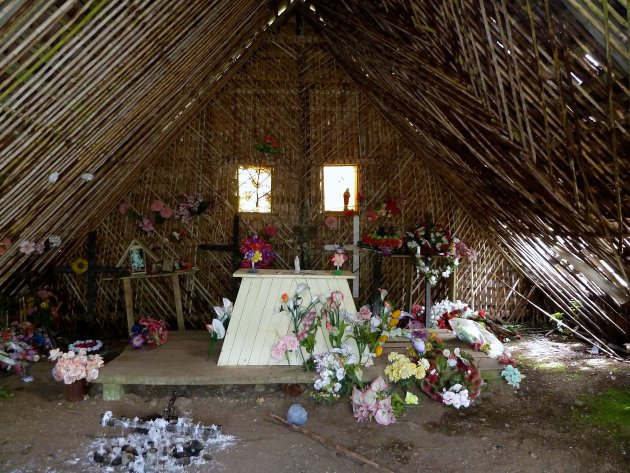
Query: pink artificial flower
379,385
27,247
384,414
124,207
166,212
156,205
291,343
4,245
277,352
330,222
146,225
364,313
329,326
336,298
3,250
40,247
271,231
43,294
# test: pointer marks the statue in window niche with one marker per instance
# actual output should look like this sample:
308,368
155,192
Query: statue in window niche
137,260
346,199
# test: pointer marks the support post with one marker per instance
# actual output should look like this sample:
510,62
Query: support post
177,294
129,304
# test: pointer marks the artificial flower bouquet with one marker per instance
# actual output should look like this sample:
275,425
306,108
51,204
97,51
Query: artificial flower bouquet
338,259
71,366
148,332
445,310
305,321
379,402
338,372
21,345
219,324
257,252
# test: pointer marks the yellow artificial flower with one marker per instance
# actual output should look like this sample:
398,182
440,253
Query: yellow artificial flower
378,351
79,266
383,338
393,322
395,314
44,305
256,257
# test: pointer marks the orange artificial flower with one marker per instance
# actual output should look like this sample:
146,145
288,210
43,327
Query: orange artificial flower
284,297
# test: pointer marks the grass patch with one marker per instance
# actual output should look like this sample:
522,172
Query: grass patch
4,394
610,411
552,367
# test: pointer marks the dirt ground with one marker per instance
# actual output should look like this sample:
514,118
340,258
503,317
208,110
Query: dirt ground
543,427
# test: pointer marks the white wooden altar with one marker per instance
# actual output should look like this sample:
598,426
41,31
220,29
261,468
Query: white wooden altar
256,326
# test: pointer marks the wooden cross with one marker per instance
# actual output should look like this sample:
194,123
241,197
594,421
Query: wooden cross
355,254
92,271
233,248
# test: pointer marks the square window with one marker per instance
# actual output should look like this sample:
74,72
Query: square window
341,184
254,189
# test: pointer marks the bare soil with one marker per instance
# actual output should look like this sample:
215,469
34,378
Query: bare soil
543,427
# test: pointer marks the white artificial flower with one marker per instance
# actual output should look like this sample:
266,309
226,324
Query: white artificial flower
446,352
87,177
456,387
452,362
301,288
340,373
53,177
54,241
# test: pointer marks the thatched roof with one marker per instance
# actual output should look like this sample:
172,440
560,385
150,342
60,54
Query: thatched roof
521,107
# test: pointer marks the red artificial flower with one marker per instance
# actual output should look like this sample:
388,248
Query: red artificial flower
271,230
349,213
284,297
371,215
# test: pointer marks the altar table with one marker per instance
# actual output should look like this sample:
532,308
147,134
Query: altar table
256,325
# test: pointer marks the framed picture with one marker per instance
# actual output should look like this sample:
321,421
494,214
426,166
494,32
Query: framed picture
167,266
137,260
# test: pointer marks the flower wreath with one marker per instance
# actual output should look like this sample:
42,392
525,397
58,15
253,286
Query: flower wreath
435,248
90,346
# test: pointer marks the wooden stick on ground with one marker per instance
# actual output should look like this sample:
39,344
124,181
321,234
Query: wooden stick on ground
332,445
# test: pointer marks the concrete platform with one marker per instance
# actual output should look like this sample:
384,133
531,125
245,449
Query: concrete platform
183,361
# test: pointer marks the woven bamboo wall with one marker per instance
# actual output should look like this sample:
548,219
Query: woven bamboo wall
293,89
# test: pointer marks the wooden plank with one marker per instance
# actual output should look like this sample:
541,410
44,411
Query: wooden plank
288,273
131,319
177,294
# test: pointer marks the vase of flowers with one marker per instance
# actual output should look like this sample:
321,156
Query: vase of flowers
148,332
257,253
338,259
75,370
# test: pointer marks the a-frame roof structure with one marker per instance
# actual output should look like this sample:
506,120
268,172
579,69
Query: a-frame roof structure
523,107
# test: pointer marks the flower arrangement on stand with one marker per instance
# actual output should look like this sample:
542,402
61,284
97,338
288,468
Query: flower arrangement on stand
257,252
148,332
436,250
387,241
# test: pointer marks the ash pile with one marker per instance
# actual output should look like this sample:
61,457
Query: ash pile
160,444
